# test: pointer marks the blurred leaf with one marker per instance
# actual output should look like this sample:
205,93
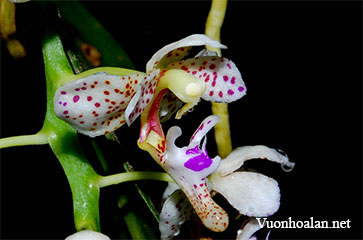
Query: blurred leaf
144,195
94,34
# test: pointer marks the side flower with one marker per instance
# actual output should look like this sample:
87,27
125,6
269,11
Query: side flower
101,100
252,194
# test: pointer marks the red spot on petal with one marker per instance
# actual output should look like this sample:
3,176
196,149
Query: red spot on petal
212,66
225,78
97,105
65,112
89,98
233,80
63,92
106,92
107,82
220,94
230,92
240,89
75,98
211,93
184,68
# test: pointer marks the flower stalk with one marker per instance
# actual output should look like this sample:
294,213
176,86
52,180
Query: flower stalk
63,140
133,176
222,131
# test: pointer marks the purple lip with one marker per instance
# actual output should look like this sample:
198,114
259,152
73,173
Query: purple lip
198,163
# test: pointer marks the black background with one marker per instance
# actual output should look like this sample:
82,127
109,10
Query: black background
301,62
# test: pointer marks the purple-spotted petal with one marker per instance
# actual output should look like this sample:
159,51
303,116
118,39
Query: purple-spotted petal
248,229
165,55
189,167
238,156
176,210
223,80
95,105
142,97
252,194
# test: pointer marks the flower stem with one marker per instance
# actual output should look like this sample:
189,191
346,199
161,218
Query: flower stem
35,139
222,132
105,181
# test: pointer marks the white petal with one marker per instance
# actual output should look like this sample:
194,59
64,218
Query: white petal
87,235
176,210
192,40
239,155
95,105
247,230
222,78
142,98
189,167
170,189
252,194
203,129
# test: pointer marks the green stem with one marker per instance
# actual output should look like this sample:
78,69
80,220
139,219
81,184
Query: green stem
35,139
105,181
63,140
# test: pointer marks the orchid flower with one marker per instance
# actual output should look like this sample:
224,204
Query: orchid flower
101,100
87,235
252,194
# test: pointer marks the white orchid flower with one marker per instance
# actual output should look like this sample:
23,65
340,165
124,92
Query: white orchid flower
101,100
252,194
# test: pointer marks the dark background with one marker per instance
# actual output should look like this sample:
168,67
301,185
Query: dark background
301,62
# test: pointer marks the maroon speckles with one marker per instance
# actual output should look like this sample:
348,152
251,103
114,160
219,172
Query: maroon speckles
65,112
207,78
81,122
63,92
107,82
106,92
83,88
233,80
220,94
77,89
229,66
64,104
214,80
89,98
97,105
225,78
184,68
230,92
84,84
211,93
241,89
80,116
76,98
212,66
